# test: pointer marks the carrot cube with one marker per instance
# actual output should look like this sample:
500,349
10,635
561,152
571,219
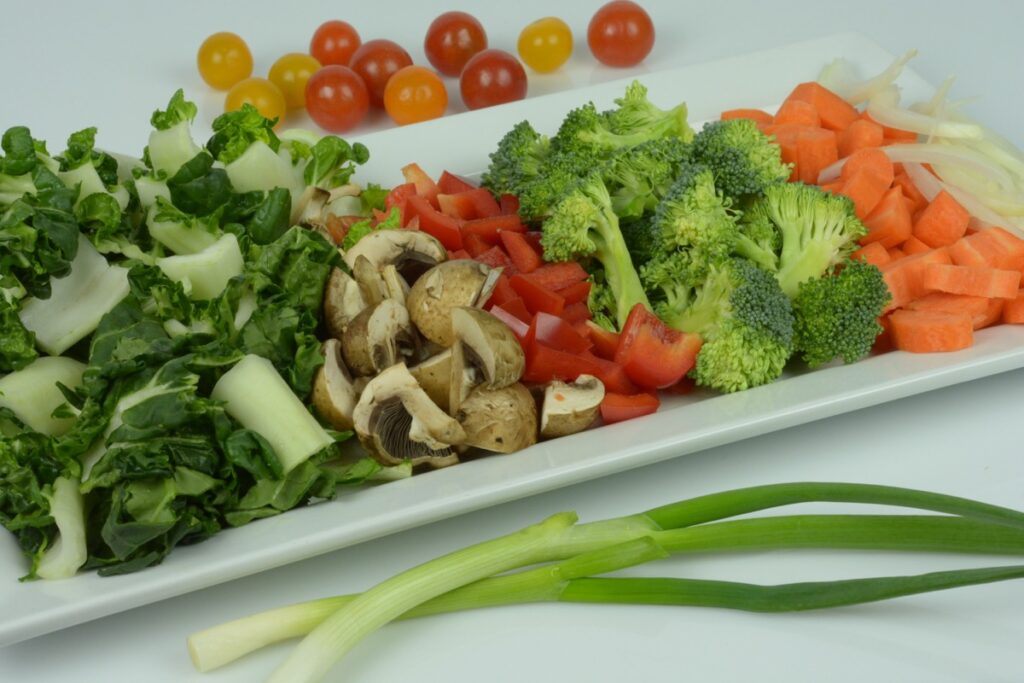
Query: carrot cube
835,112
942,222
889,222
931,331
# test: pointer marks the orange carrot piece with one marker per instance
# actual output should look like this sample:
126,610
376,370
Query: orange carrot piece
835,187
912,245
986,282
865,188
895,253
892,135
883,342
889,222
983,311
869,159
786,137
873,253
835,112
965,252
799,112
816,151
931,331
910,191
905,276
861,134
755,115
942,222
1013,309
1010,247
994,313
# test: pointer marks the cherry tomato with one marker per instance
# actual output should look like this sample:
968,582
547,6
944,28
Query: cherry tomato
621,33
376,61
415,94
334,43
260,93
224,59
492,77
452,39
545,44
290,73
336,98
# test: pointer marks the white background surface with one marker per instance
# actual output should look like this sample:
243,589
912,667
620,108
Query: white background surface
110,64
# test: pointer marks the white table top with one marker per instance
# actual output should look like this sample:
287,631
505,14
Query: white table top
107,63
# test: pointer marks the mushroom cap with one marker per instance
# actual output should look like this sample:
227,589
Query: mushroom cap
343,301
500,420
334,395
570,407
445,286
486,353
378,337
434,375
411,251
396,421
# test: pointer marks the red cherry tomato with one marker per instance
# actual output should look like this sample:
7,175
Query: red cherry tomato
452,39
621,33
376,61
492,77
336,98
334,43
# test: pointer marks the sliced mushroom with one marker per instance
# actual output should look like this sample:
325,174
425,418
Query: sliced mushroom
500,420
485,353
395,285
346,190
570,407
435,376
396,421
411,251
379,337
442,288
309,210
343,301
334,395
370,281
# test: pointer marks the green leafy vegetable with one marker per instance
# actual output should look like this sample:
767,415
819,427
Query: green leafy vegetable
235,131
178,110
358,231
333,161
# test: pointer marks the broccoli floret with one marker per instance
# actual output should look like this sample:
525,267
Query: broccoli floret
837,315
601,302
818,231
745,320
639,177
586,132
744,160
642,240
759,240
559,174
584,225
517,160
635,113
670,278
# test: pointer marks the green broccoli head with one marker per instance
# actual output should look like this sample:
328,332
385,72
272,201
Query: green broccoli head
759,240
695,216
635,113
743,160
836,316
559,175
517,160
671,279
642,240
639,177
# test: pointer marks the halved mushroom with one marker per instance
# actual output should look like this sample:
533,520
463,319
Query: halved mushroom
442,288
396,421
435,376
310,209
485,353
500,420
343,301
395,285
411,251
379,337
570,407
334,395
370,281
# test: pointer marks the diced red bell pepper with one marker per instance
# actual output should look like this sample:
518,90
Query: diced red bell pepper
555,332
544,363
475,203
502,292
519,327
537,298
517,308
611,374
605,342
577,312
425,185
526,260
534,237
495,257
458,255
450,183
559,275
509,204
683,387
432,222
621,407
574,294
474,244
489,228
397,198
653,354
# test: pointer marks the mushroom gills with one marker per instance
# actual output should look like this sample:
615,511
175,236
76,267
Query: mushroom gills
403,437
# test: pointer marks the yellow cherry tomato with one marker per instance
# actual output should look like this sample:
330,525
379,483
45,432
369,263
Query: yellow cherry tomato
260,93
290,73
224,59
545,44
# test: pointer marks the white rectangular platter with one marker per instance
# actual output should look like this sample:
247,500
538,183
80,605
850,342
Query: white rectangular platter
684,425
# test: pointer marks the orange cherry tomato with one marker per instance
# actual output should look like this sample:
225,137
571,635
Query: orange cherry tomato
260,93
290,73
413,94
334,43
376,61
545,44
223,60
452,39
621,33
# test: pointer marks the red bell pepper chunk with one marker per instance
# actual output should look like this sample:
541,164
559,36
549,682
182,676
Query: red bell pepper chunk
458,255
574,294
544,363
444,228
534,237
495,257
555,332
474,244
449,183
577,312
559,275
621,407
509,204
537,298
425,185
653,354
489,229
502,292
605,342
611,374
519,327
470,204
397,198
522,254
517,308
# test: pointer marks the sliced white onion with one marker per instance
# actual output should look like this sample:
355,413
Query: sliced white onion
933,153
832,171
926,183
922,124
838,77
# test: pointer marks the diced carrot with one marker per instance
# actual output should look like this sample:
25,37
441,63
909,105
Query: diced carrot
895,254
905,276
871,159
799,112
892,135
755,115
942,222
1010,246
835,187
994,313
931,331
786,136
889,222
910,191
865,188
524,257
1013,309
965,252
835,112
912,245
873,253
987,282
816,151
981,309
860,134
883,342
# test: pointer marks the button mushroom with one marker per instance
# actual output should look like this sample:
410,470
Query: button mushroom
379,337
343,301
485,353
412,252
334,394
499,420
570,407
442,288
435,376
396,421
